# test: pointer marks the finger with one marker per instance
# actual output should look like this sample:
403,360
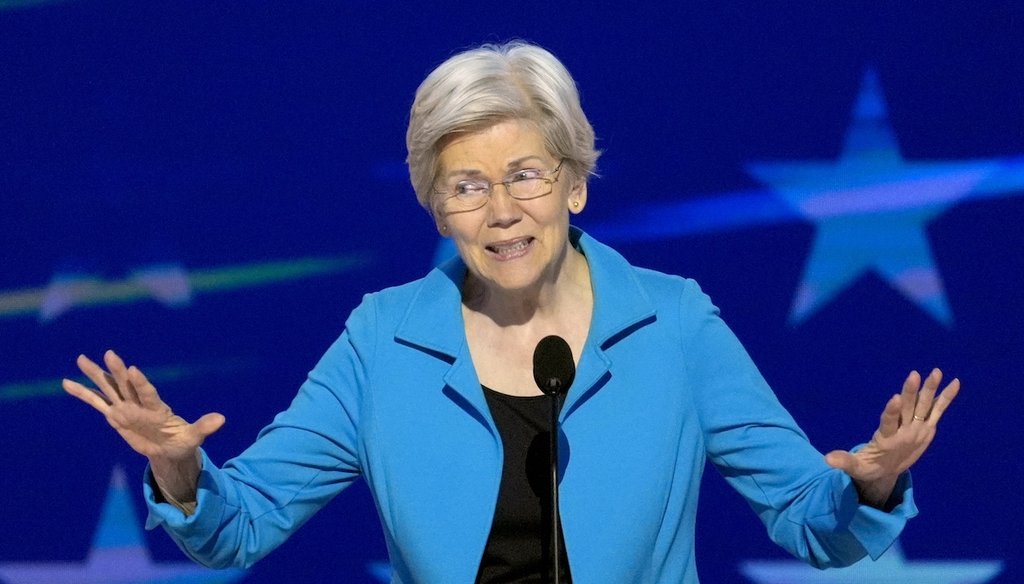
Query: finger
909,393
144,390
89,396
923,408
890,420
97,375
118,369
208,424
944,400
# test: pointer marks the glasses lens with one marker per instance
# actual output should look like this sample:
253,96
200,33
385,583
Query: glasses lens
528,188
468,194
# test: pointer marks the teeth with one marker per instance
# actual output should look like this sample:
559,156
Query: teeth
511,248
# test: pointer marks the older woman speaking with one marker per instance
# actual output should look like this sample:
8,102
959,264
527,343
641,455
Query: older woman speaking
429,393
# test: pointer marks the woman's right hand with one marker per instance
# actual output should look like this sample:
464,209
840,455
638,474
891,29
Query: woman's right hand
132,406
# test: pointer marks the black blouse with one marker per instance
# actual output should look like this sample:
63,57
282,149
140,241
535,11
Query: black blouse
519,546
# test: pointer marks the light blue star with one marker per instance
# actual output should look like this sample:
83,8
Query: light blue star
871,208
118,554
891,567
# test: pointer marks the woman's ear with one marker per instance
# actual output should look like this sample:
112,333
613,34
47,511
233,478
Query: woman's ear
578,197
439,222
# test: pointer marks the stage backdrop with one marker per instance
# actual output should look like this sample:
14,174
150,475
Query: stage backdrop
211,187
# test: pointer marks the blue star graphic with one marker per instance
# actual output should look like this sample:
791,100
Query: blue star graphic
118,554
870,208
891,567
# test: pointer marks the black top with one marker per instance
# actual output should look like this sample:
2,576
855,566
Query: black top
519,546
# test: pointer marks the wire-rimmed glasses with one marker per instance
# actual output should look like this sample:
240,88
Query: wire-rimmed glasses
471,194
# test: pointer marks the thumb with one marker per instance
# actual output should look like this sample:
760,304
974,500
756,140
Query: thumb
841,460
208,424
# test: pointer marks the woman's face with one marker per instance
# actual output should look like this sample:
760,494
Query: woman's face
507,244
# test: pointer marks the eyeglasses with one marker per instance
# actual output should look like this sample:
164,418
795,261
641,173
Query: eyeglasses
522,185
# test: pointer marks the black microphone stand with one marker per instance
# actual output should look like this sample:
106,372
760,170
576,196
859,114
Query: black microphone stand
554,371
555,390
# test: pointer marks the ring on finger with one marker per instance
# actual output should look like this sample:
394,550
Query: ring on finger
919,418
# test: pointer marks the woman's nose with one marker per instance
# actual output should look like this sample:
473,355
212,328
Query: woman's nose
502,208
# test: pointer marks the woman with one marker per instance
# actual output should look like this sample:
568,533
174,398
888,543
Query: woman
429,393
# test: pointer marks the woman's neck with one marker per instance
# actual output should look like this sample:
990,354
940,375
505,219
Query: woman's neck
567,287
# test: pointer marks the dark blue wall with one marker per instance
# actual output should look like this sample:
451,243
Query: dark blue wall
221,148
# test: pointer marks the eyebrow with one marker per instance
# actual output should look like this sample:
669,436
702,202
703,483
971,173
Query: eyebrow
510,166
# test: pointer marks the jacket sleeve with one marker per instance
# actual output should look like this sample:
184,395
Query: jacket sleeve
809,508
306,456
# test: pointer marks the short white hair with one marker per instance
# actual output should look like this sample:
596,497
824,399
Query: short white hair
480,87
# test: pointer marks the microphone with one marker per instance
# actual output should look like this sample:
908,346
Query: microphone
554,371
553,367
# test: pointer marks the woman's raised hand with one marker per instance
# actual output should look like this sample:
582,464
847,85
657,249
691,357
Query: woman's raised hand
132,406
906,429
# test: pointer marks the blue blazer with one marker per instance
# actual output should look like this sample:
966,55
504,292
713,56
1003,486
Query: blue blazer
662,386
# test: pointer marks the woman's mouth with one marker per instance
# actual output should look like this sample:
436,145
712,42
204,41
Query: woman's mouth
510,249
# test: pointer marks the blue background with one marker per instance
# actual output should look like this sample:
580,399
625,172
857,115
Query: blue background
209,136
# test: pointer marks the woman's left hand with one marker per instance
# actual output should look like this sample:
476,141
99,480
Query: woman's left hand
904,433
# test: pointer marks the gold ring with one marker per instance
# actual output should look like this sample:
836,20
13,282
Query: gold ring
919,418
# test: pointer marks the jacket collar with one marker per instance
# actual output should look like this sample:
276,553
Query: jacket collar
620,302
433,320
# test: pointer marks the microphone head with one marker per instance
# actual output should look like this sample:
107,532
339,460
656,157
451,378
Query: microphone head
553,365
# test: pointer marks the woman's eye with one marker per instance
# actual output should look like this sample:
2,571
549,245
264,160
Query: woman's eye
526,174
469,188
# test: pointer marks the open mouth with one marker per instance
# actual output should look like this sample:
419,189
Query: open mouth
510,249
